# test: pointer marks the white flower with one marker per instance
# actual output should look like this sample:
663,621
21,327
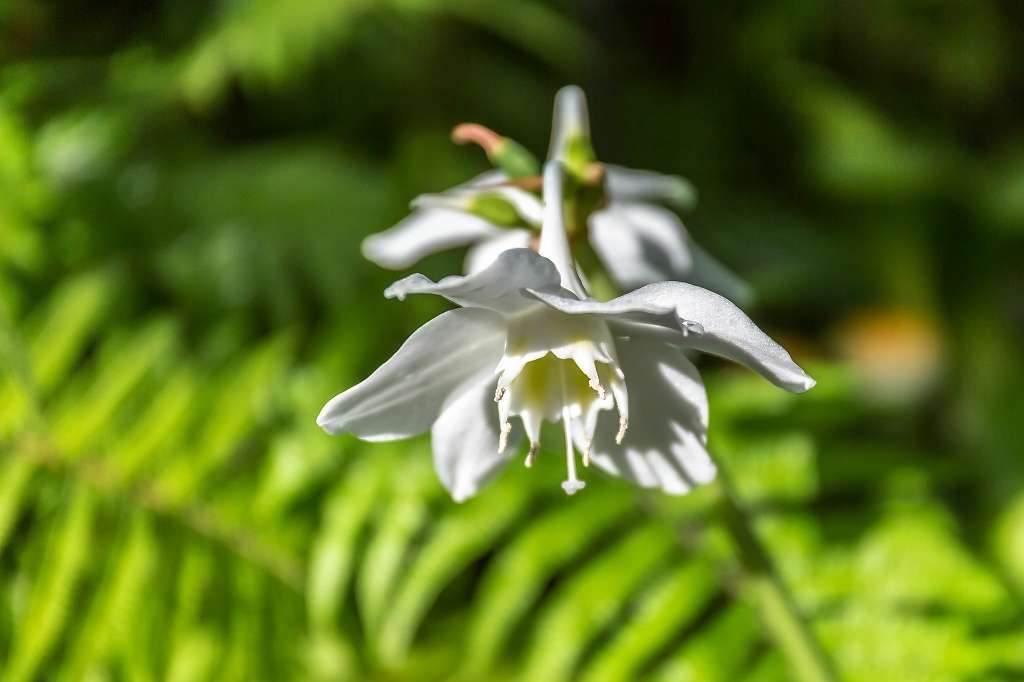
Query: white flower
637,238
527,338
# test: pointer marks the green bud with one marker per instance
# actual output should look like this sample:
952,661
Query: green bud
579,155
495,209
506,154
514,159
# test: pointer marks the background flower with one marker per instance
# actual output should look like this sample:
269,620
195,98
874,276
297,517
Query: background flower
637,239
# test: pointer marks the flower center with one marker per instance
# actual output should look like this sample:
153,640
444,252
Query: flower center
572,389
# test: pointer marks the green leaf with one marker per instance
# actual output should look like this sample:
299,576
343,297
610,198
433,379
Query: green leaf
458,539
589,601
517,576
52,592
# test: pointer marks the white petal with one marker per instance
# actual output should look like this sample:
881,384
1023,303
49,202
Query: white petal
526,204
405,394
465,441
484,253
627,184
665,444
696,318
570,120
644,243
425,232
641,244
500,287
554,242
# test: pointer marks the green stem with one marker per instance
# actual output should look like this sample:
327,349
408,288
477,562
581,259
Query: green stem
779,611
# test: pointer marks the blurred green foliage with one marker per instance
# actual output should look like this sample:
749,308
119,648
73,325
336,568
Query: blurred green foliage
183,187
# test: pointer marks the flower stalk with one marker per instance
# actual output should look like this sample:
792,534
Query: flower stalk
779,612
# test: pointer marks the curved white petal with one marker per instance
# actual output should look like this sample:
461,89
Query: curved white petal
405,394
665,444
697,318
526,204
554,242
628,184
644,243
570,120
641,244
465,441
425,232
482,254
500,287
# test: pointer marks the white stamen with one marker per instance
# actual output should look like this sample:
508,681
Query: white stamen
586,455
531,455
571,484
506,428
499,393
623,425
596,386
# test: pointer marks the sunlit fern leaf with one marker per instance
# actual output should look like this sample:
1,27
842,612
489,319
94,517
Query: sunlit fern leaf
333,552
47,608
78,419
110,618
515,579
159,532
666,608
58,333
233,408
407,505
716,652
460,537
589,602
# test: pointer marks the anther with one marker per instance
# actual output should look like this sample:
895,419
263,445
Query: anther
506,428
531,455
596,386
499,393
623,425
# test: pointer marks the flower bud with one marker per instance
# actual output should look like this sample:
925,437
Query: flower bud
506,154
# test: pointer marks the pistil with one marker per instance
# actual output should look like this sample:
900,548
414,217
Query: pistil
571,484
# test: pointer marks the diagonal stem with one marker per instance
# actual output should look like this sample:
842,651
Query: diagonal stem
779,612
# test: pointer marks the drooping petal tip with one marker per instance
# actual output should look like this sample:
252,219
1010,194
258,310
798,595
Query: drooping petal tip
403,287
326,422
808,384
